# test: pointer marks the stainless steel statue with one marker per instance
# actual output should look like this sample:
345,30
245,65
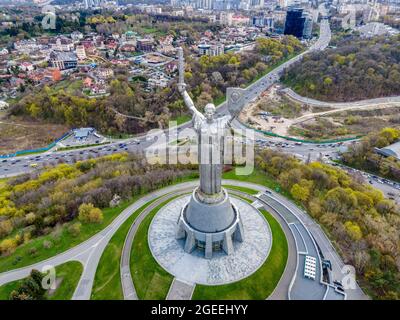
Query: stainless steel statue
209,221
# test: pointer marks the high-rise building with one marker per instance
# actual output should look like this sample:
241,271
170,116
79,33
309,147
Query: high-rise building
225,18
294,23
256,3
263,21
283,3
308,25
211,49
92,3
204,4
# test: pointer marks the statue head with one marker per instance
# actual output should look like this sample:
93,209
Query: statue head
209,111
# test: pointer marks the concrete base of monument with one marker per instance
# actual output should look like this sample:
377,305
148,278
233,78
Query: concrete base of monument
192,267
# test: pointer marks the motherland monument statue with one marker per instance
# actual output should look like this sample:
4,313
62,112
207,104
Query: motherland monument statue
209,221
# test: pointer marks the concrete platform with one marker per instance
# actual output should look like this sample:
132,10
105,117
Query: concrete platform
248,256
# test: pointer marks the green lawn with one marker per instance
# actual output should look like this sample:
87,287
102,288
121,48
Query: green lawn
260,284
151,281
243,189
70,272
107,281
257,177
182,119
68,86
261,177
34,251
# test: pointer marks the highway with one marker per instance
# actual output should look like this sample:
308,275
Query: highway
395,100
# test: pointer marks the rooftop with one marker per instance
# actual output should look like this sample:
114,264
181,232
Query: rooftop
392,150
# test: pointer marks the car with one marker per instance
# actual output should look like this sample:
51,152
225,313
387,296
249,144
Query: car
337,283
340,289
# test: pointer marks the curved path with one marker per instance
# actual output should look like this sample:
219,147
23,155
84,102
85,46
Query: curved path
395,100
128,287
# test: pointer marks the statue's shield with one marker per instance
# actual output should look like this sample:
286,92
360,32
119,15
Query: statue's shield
235,100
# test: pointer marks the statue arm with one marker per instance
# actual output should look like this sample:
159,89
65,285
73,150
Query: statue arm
182,89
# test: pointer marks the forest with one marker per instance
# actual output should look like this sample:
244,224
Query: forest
362,224
70,196
362,155
356,69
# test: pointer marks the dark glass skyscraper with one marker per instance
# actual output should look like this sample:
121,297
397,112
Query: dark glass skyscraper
294,24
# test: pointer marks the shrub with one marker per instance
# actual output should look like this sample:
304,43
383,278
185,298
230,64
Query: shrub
47,244
30,218
7,246
6,227
32,251
75,229
90,214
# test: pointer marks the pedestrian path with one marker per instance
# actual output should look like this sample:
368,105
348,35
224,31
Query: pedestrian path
180,290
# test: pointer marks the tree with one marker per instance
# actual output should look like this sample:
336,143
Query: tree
90,214
353,230
31,288
7,246
6,227
75,229
300,192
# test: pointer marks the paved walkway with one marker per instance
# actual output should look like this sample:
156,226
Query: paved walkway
180,290
128,287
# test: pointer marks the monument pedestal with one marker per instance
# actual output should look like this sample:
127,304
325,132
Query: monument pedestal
210,223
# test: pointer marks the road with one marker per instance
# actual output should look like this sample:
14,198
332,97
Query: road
339,105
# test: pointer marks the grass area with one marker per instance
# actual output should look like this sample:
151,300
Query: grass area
70,272
151,281
83,146
61,240
68,86
119,136
243,189
258,177
260,284
21,135
220,100
182,119
262,178
107,281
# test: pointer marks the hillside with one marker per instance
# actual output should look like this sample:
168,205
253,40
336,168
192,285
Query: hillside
356,69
